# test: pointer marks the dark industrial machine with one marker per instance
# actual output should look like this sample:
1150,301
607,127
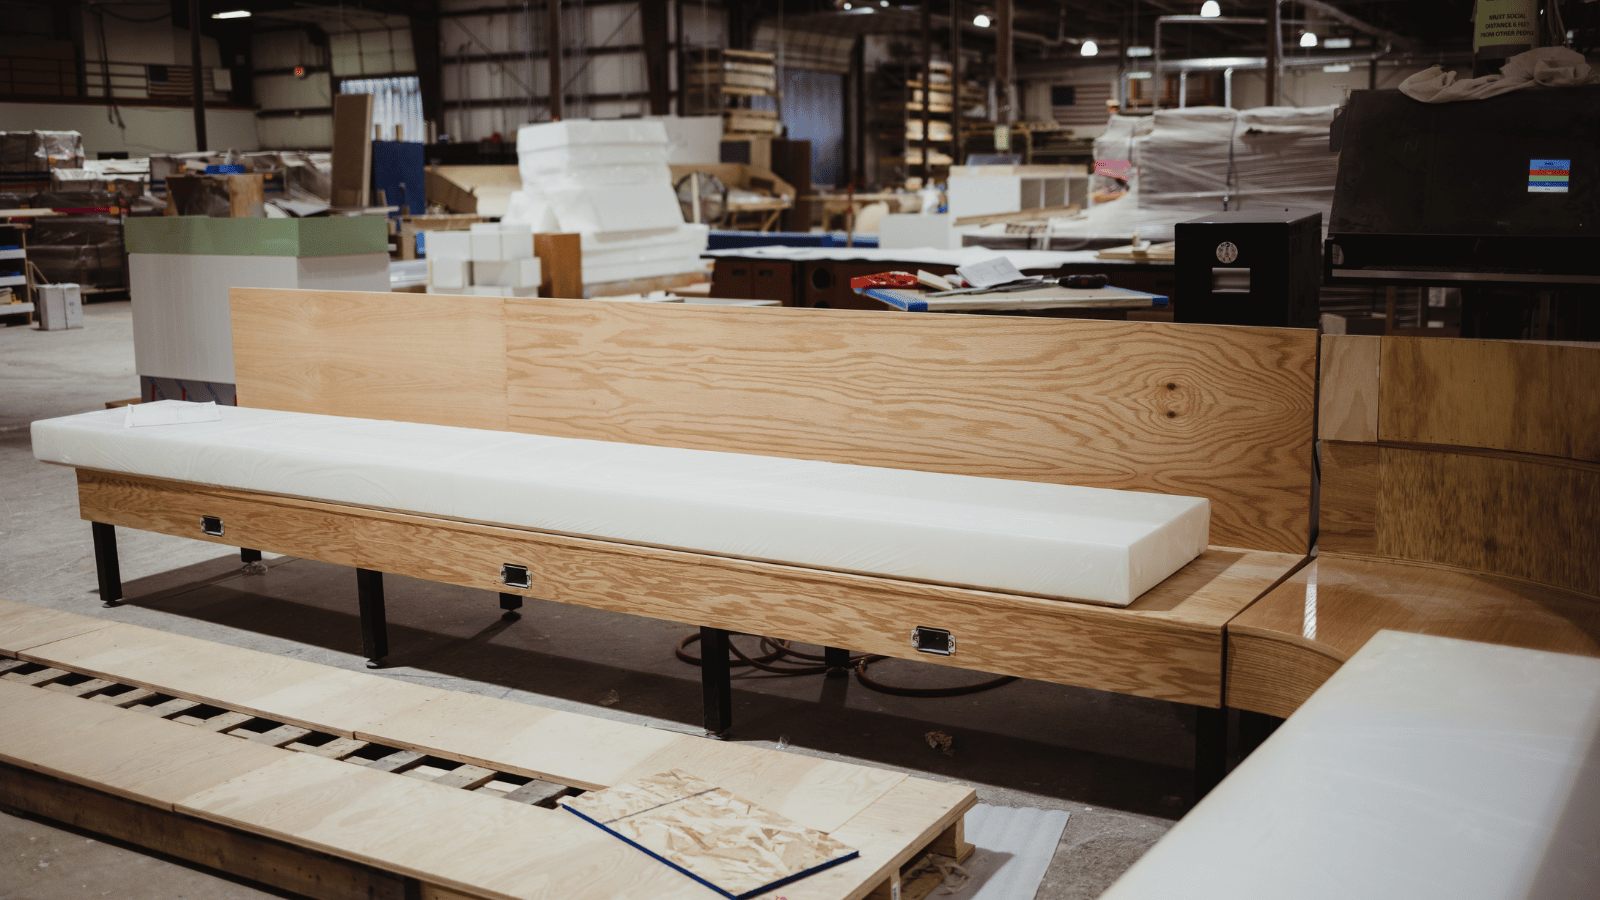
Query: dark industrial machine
1249,267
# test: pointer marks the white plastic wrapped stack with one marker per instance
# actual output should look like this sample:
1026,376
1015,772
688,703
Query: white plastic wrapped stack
1191,161
609,182
492,259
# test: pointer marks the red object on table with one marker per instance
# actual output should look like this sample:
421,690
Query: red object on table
884,280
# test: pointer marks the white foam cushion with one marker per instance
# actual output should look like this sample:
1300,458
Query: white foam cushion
1054,540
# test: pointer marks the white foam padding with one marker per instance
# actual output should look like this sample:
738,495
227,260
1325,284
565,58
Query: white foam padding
447,244
451,273
515,273
485,245
1014,536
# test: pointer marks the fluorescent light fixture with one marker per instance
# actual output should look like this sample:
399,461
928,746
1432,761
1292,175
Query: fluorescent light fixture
1138,74
883,3
234,14
847,6
1088,48
1338,68
1308,39
1139,51
980,20
1211,9
1337,43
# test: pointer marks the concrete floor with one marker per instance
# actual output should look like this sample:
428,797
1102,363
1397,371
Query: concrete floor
1120,765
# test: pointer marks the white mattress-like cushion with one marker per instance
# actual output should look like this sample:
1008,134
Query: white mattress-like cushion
1015,536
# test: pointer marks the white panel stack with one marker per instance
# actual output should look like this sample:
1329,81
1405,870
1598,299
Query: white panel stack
493,259
609,182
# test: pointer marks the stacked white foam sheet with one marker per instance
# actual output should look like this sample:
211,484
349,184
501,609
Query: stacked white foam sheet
492,259
1052,540
609,182
1426,767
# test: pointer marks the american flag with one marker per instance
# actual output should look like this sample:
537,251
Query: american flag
1080,104
170,82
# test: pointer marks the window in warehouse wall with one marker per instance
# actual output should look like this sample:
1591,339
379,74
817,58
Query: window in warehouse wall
395,101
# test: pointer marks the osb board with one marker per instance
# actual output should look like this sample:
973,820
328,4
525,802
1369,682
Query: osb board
414,357
1167,644
264,684
703,830
1284,646
1508,514
1223,413
1502,395
23,626
1347,393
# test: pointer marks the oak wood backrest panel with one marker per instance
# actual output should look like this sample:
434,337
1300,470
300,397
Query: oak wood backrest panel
1485,458
1347,390
1501,395
405,357
1219,412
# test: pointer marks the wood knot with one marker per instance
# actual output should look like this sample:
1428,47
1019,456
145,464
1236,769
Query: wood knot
1171,414
1171,386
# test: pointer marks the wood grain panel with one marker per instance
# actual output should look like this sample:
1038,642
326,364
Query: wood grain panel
404,357
23,626
1286,644
1219,412
1347,392
88,743
1167,644
263,684
227,852
1348,509
1502,395
1525,517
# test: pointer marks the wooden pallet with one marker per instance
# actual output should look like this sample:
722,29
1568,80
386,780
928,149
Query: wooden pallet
339,784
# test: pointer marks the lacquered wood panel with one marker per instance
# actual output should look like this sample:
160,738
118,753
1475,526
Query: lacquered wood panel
1347,390
1348,507
1503,395
1285,645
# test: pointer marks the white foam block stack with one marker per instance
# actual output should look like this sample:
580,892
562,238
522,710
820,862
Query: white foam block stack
608,181
1056,540
493,259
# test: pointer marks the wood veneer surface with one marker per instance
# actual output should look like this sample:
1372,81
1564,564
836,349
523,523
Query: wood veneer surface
403,357
1224,413
1347,390
1167,644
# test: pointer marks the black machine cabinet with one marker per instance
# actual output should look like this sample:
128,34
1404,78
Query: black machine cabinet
1251,267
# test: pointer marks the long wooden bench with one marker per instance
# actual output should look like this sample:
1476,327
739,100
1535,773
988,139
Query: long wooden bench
339,784
1460,497
1217,412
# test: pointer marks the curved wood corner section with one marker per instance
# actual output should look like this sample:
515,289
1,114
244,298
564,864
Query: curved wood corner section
1289,642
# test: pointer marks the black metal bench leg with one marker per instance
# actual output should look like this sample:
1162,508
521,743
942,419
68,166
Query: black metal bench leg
374,625
716,680
1210,749
1254,729
510,603
106,568
837,659
246,555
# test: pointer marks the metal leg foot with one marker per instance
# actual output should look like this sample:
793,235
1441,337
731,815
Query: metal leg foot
837,659
106,568
1210,749
510,603
374,624
246,555
716,680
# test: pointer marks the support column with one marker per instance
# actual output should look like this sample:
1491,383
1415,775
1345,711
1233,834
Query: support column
1210,749
716,680
657,75
374,624
197,75
1004,70
927,93
429,61
106,568
1274,50
558,88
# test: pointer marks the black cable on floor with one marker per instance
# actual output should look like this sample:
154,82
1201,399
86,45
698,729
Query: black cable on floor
779,651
